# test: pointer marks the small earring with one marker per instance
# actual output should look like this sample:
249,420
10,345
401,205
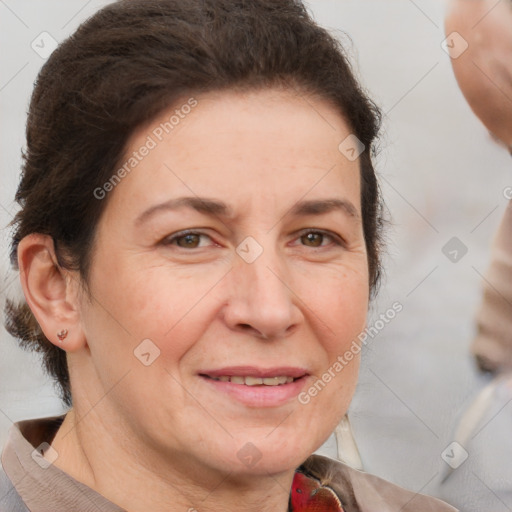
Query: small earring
62,334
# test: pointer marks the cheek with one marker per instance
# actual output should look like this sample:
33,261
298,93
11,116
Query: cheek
340,300
341,305
160,303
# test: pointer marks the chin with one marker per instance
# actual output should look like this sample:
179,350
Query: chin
271,455
273,463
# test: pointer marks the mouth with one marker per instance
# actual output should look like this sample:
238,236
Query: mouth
257,387
249,380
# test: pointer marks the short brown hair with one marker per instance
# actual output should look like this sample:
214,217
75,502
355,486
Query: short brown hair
127,63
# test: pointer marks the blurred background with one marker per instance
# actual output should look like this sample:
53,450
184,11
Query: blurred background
443,180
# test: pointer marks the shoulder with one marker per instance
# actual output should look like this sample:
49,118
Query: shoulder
362,492
10,500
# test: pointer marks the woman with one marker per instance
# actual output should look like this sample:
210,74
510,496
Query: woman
197,243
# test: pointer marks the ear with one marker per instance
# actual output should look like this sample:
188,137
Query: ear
51,292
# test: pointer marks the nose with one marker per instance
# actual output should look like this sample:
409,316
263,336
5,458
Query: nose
262,300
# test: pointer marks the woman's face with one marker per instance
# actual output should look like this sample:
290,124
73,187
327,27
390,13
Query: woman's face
270,281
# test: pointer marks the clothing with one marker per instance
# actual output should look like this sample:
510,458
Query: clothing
492,345
483,481
31,484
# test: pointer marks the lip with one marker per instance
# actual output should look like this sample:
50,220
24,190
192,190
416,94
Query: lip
254,371
257,396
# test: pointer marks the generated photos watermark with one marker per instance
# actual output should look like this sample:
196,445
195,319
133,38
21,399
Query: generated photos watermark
343,360
152,140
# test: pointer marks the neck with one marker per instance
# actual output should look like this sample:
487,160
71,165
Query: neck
137,478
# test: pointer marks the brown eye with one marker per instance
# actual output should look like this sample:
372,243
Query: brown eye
313,239
316,238
186,240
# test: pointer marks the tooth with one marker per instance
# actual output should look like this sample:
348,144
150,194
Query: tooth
274,381
253,381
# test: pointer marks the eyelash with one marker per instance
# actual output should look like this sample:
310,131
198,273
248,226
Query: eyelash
335,238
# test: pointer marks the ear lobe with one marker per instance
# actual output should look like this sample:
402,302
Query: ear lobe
50,292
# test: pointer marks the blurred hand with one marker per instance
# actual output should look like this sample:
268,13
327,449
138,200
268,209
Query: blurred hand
484,70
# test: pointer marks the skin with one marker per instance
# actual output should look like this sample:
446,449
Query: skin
171,438
484,70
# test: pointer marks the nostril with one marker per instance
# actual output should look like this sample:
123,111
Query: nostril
248,327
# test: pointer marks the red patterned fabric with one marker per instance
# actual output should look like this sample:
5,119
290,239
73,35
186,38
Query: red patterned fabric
309,495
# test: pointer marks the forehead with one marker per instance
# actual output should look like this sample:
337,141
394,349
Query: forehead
270,143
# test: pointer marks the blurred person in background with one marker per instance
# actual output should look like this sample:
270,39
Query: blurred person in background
484,74
479,475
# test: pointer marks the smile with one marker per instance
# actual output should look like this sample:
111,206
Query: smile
268,390
254,381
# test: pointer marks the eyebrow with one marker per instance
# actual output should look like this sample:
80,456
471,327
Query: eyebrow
321,206
216,208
